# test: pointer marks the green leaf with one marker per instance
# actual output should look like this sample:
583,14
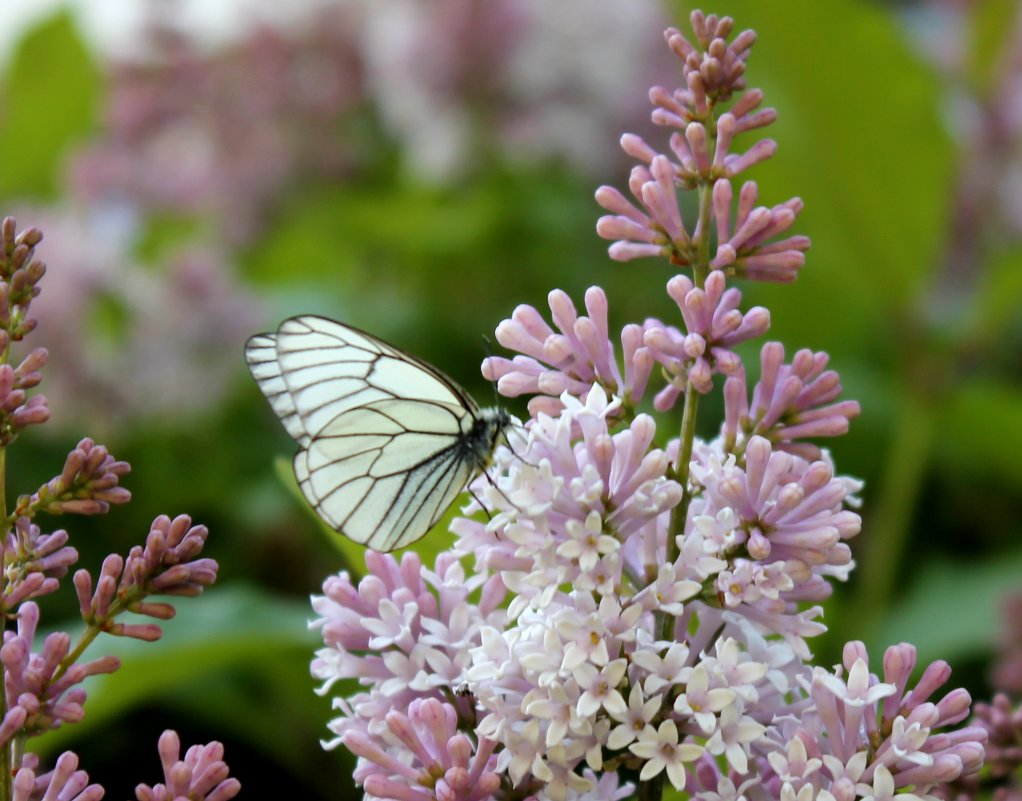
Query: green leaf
983,416
50,97
952,611
996,306
227,628
994,23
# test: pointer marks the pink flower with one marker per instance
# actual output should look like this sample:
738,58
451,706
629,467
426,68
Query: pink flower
713,327
789,402
202,775
41,692
424,756
744,250
574,359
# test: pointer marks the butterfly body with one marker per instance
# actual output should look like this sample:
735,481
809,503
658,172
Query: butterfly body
387,442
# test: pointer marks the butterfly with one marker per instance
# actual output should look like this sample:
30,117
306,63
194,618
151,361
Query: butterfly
387,442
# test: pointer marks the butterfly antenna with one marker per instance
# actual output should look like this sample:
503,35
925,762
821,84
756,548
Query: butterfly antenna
488,350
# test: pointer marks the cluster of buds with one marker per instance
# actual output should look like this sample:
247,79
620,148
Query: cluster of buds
20,273
43,681
712,72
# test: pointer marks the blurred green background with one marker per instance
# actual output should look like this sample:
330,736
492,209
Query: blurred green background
419,169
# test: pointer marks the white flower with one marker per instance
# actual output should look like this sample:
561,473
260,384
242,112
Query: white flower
882,788
663,671
600,688
668,592
794,765
719,534
635,720
662,751
587,543
805,793
558,707
700,702
907,742
733,736
726,790
858,692
393,626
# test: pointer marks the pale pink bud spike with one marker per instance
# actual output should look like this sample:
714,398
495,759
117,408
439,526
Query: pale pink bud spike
722,196
726,128
759,152
698,90
783,245
562,310
695,135
627,251
625,229
758,120
637,148
755,222
532,321
747,196
747,102
686,160
659,96
662,116
612,200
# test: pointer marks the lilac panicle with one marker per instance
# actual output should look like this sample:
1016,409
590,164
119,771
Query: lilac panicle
28,552
40,686
701,156
1007,670
20,273
64,782
790,402
166,566
570,359
1002,721
201,776
643,606
445,762
88,484
713,327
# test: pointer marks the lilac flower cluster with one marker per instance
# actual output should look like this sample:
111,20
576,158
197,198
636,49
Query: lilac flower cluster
1001,719
42,679
641,613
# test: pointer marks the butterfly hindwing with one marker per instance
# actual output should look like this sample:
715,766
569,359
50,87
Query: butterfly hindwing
387,441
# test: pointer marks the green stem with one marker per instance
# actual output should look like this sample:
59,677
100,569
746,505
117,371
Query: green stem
890,521
680,470
663,623
652,790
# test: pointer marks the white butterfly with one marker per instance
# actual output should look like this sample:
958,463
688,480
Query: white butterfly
387,441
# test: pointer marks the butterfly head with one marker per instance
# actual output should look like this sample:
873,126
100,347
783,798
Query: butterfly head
486,433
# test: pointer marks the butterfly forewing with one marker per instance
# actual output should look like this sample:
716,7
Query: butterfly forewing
387,441
261,355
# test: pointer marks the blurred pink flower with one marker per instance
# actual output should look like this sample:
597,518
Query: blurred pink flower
130,342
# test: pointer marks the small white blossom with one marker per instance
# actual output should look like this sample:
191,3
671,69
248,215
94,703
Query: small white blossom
600,688
662,751
700,702
635,720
